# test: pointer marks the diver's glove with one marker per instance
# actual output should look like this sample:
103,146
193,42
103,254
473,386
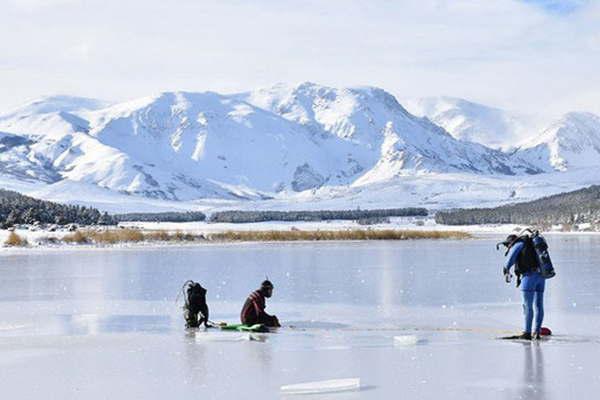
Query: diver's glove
507,275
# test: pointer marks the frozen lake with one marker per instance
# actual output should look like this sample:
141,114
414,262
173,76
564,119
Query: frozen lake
102,324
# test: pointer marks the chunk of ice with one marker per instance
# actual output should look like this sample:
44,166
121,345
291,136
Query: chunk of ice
328,386
406,340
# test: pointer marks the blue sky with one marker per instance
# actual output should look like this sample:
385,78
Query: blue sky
558,6
536,56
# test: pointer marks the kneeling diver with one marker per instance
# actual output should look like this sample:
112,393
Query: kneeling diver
253,311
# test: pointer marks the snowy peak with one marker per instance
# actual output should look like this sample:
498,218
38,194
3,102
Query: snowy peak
386,135
50,116
348,113
474,122
180,145
58,103
573,141
573,130
183,143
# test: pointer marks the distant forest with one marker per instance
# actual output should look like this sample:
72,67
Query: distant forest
16,208
321,215
580,206
188,216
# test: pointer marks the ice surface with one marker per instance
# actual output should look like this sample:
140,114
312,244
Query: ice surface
222,337
99,324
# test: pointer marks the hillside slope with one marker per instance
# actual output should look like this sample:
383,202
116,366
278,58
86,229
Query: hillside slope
579,206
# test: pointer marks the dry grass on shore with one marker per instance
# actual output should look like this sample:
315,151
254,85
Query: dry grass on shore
135,236
126,236
354,234
14,240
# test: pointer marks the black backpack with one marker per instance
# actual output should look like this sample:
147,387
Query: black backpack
534,256
527,261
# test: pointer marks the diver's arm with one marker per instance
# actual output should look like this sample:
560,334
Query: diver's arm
259,309
513,254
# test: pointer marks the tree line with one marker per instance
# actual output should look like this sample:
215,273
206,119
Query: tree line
579,206
187,216
238,216
16,208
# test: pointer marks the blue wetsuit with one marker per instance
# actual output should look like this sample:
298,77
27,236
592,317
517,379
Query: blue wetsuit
532,286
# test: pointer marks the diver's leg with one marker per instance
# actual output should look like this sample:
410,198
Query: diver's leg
540,286
528,297
539,311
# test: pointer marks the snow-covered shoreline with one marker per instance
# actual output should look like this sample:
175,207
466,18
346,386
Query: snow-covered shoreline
38,239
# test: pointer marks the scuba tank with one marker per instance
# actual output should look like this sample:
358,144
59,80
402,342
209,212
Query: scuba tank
536,251
541,250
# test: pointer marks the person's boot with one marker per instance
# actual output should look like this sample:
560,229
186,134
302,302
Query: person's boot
537,336
525,336
522,336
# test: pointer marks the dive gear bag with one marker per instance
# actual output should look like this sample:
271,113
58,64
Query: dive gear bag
195,308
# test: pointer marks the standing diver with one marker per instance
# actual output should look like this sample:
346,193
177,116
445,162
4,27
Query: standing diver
521,253
253,311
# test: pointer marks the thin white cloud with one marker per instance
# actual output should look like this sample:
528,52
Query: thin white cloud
36,5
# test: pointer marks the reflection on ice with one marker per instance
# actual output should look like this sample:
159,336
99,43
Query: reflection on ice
533,373
94,324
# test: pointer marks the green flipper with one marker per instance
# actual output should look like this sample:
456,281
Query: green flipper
244,328
253,328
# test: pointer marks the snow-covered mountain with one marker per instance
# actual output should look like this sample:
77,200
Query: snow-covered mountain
286,143
282,139
571,142
389,141
466,120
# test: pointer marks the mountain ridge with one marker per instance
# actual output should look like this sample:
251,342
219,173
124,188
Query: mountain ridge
475,122
261,144
573,141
